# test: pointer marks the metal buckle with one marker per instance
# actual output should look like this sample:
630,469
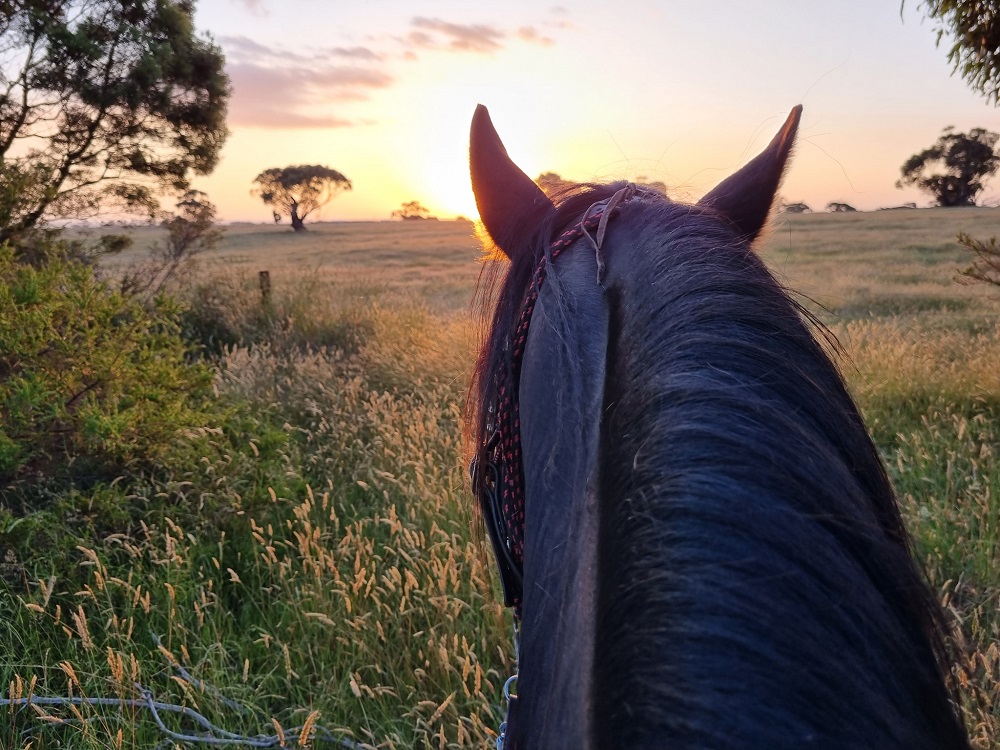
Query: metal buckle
502,732
512,680
508,696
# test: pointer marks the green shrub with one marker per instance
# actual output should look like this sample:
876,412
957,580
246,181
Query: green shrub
92,384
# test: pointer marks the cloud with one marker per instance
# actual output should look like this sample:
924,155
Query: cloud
277,87
358,53
438,34
295,96
241,48
244,49
274,87
256,7
420,39
269,117
562,13
531,34
467,37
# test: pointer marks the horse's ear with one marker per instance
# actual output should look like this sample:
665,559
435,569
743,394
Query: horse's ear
745,197
510,204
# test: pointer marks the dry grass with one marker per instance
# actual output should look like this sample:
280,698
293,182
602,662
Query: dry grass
430,261
882,264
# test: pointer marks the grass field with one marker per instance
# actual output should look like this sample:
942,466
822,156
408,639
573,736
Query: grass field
425,263
311,564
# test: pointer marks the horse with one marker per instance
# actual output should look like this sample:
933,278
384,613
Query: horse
690,520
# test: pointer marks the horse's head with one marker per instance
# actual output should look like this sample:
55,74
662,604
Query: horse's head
689,517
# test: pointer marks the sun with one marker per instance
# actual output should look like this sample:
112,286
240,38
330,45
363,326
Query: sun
448,198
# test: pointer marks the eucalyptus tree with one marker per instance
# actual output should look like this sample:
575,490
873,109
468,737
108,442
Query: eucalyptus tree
103,102
298,191
955,168
972,31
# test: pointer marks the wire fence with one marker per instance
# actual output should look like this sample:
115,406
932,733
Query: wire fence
209,733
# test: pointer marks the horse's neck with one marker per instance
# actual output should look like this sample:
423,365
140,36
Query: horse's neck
745,518
710,543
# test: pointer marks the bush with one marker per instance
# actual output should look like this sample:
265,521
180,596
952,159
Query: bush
92,384
191,231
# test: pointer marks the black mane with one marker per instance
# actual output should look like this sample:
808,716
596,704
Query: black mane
755,582
735,459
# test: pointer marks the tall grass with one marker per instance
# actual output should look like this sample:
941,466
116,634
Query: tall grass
338,575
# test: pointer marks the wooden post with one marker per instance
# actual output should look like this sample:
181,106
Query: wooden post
265,288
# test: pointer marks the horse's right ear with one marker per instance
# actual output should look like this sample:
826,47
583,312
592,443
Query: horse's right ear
510,204
745,197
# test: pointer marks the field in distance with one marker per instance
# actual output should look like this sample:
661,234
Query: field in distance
433,261
852,266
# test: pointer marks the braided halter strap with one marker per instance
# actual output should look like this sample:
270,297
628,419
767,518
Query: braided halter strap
503,503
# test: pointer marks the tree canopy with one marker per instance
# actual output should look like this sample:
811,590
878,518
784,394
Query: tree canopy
835,207
103,100
794,208
954,170
191,231
552,184
973,28
411,210
298,191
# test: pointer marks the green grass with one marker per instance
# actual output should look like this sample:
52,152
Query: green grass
314,561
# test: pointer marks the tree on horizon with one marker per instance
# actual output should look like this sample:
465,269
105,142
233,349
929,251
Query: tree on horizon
836,207
794,208
552,183
954,170
410,211
299,190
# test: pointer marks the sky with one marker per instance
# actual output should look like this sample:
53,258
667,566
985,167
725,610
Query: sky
676,91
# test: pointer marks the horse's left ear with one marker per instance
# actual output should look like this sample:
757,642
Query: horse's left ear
510,204
745,197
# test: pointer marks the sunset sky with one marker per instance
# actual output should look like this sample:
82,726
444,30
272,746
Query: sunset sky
682,92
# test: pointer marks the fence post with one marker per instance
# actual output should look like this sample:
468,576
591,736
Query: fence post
265,288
